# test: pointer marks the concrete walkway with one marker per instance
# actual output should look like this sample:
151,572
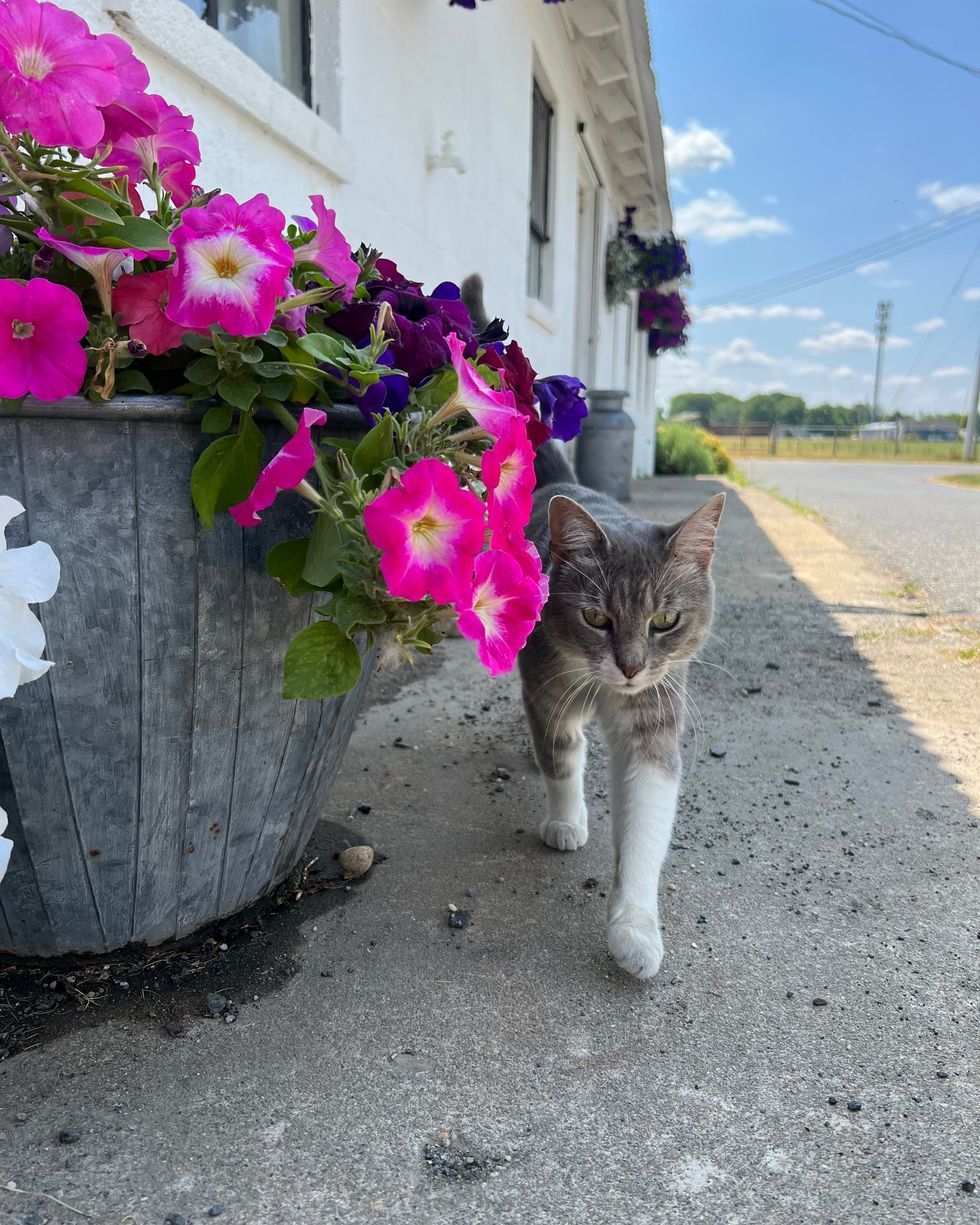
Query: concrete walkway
507,1072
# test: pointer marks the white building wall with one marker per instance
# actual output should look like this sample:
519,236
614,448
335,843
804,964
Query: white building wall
392,76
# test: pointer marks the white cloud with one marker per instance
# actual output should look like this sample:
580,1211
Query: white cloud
696,148
717,314
835,338
950,372
741,352
781,311
903,380
717,217
845,372
930,325
971,295
875,268
949,199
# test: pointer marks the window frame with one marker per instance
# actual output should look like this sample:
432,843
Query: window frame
541,175
210,16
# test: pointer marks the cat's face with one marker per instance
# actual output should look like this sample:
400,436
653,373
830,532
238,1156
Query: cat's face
630,604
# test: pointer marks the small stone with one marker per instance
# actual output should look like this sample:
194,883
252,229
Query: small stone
772,666
831,1101
968,1186
750,689
820,1002
789,995
791,782
470,892
874,702
590,882
68,1137
718,751
216,1210
942,1075
355,861
364,808
854,1105
231,1017
460,918
174,1218
501,773
215,1004
326,973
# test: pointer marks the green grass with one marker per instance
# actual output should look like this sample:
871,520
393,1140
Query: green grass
798,508
907,591
846,448
962,480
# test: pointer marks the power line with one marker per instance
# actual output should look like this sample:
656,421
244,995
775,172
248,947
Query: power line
870,22
847,261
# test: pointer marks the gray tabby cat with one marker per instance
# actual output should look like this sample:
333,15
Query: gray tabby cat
630,604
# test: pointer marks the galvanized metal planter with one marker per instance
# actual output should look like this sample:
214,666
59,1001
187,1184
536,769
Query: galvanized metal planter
154,779
604,449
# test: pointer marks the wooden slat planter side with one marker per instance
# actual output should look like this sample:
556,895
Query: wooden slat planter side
154,779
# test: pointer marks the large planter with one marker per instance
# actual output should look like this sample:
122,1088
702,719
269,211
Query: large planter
154,779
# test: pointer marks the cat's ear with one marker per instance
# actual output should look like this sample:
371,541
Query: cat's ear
694,539
573,530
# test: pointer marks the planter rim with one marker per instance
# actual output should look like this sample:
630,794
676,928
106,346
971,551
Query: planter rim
340,417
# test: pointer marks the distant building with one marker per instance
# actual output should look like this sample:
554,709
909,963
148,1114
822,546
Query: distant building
942,429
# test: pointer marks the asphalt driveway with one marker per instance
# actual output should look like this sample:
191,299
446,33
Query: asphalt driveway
927,532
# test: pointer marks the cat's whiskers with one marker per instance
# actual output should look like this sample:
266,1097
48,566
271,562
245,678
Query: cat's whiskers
588,577
706,663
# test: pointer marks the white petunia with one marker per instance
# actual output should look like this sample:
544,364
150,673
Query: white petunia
27,576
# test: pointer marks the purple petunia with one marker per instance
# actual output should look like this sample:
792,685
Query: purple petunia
561,399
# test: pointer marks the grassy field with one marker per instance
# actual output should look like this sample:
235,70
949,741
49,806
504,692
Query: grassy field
749,447
962,480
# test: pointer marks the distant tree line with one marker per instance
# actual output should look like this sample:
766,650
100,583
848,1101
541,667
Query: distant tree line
779,408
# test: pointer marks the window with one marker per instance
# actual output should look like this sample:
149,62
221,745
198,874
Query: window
274,33
538,252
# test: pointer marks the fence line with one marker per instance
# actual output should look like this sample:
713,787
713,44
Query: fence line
759,439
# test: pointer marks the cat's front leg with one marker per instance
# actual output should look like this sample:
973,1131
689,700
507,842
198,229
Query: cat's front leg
559,747
644,798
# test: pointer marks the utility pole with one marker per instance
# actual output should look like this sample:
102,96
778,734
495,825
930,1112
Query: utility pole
970,436
883,314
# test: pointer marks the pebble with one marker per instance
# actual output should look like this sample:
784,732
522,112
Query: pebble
590,882
68,1137
874,702
215,1004
355,861
460,918
470,892
854,1105
968,1186
772,666
718,751
216,1210
820,1002
942,1075
749,689
174,1218
502,773
364,808
831,1101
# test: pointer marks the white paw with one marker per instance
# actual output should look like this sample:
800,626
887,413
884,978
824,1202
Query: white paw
635,942
564,835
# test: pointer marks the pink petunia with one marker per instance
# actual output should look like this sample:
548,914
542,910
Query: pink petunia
170,145
232,266
133,112
499,610
508,474
429,530
329,250
54,75
101,263
285,471
140,302
491,410
529,560
41,324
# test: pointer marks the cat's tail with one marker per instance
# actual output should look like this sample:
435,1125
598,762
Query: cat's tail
551,467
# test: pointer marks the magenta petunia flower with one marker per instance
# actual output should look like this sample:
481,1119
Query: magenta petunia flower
169,144
140,302
54,75
232,266
132,112
101,263
285,471
329,249
529,560
508,474
429,530
41,324
499,610
491,410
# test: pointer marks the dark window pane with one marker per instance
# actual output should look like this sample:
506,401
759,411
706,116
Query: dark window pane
540,203
274,33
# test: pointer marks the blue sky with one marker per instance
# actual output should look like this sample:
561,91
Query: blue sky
795,135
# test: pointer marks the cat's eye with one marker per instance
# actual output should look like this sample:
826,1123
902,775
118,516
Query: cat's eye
666,619
596,618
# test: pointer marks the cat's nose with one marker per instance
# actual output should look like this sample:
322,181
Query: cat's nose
629,671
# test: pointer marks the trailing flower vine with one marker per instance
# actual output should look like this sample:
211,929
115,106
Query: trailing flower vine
654,267
118,274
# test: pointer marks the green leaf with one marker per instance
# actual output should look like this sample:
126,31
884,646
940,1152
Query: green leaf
141,232
92,207
195,341
275,337
376,448
321,662
326,545
239,391
324,348
252,355
217,420
132,380
349,610
226,471
203,371
279,388
285,563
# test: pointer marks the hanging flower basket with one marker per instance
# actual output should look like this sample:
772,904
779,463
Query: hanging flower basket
654,267
175,311
664,317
